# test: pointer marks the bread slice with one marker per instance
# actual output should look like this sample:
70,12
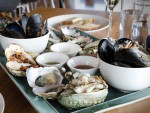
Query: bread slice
88,27
79,23
71,20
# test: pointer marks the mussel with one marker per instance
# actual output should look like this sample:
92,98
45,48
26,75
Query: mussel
27,27
14,30
106,50
35,25
123,52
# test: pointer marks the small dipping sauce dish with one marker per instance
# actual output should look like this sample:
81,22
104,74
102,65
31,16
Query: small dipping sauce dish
52,59
83,64
67,48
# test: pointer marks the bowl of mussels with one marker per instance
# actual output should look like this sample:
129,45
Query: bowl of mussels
29,32
124,64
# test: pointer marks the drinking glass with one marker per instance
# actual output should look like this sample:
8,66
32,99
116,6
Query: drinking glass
127,18
110,4
139,28
143,5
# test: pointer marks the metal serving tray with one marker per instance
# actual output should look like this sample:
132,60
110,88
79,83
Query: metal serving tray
113,100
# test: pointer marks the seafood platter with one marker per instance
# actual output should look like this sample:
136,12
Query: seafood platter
47,81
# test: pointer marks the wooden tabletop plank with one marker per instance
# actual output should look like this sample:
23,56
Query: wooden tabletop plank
17,103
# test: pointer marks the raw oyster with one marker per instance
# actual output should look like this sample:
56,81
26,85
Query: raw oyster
91,48
72,35
27,27
18,60
83,90
45,81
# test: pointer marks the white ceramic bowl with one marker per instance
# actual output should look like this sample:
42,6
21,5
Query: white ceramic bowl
56,20
29,45
125,79
67,48
52,59
83,60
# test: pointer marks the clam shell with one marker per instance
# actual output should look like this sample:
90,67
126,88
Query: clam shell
75,101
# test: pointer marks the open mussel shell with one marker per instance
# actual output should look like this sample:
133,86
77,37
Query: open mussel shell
34,27
14,30
75,101
122,41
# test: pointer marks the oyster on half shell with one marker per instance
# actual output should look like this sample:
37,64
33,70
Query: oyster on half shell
83,90
71,35
91,48
18,60
45,81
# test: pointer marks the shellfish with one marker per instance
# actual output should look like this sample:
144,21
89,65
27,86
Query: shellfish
45,81
72,35
18,60
27,27
83,90
123,52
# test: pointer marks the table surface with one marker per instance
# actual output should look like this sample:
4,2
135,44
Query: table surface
15,102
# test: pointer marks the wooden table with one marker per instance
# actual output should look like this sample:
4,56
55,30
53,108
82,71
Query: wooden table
17,103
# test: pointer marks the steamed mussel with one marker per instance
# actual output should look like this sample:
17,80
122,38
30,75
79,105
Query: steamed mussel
27,27
123,52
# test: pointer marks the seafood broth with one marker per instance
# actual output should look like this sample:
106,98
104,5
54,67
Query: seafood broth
52,63
84,67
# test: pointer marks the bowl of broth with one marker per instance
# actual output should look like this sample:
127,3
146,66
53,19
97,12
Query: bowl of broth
54,59
83,64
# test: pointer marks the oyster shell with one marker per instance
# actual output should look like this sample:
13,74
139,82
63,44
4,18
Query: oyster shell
18,60
83,90
14,51
72,35
91,48
45,81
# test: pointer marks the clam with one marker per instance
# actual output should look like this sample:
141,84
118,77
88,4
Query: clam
45,81
18,60
83,90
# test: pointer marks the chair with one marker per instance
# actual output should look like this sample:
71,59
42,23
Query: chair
30,3
54,3
84,4
7,5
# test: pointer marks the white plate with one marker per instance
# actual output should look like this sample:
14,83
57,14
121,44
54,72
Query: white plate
54,21
2,103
